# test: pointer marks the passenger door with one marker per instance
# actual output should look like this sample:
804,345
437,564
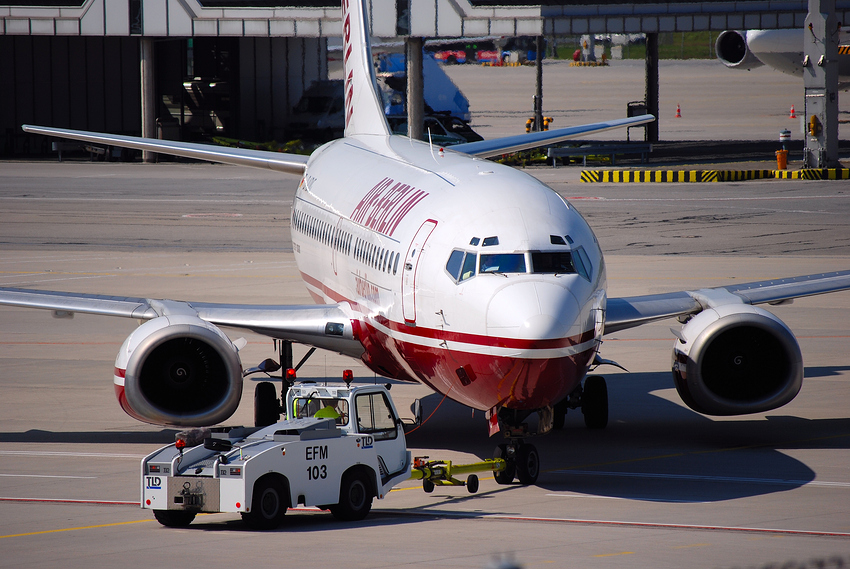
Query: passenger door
411,263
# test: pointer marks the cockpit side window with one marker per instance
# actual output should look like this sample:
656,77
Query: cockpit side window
582,263
468,270
461,265
455,263
557,262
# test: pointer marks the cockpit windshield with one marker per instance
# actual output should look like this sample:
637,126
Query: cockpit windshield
462,265
559,262
502,263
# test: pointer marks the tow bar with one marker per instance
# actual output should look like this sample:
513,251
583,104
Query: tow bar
442,472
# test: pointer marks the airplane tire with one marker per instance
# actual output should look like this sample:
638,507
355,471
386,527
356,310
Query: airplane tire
266,405
559,414
355,498
505,476
268,505
174,518
527,464
594,402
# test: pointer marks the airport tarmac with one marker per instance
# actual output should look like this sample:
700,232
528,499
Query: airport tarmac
662,486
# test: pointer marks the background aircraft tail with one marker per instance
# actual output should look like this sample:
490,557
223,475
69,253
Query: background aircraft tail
364,113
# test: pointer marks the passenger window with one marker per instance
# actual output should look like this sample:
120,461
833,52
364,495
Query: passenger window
503,263
375,417
454,264
559,262
395,264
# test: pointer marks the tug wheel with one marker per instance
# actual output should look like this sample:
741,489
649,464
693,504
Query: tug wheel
355,497
174,518
268,505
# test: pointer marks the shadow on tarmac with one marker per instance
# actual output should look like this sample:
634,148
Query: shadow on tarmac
654,448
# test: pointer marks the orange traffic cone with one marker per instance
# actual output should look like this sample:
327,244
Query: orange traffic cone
793,114
678,112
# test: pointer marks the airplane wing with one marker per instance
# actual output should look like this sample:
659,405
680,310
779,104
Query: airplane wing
508,144
629,312
315,325
279,161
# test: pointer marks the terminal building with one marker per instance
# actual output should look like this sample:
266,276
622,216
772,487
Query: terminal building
185,69
230,67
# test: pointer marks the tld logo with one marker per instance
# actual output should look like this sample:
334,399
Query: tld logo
365,442
153,482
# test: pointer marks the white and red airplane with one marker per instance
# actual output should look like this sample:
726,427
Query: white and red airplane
437,266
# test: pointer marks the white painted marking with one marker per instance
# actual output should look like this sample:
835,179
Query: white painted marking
650,475
71,454
44,476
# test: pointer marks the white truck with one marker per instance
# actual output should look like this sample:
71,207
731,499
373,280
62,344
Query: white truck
339,448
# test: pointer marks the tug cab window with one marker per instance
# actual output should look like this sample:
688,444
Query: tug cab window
557,262
375,417
322,408
502,263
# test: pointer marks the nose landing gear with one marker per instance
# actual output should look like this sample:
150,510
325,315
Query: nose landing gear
522,459
523,462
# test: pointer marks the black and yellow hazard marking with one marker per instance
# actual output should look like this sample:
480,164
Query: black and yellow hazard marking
844,50
814,174
702,176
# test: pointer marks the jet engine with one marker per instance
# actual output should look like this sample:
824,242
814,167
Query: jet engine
178,371
731,48
736,359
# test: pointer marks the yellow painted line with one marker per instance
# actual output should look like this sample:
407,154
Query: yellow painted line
615,554
74,529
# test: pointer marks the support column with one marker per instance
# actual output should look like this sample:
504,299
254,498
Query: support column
820,76
148,95
538,98
652,85
415,87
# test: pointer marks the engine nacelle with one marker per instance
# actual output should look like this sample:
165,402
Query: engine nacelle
731,49
178,371
736,359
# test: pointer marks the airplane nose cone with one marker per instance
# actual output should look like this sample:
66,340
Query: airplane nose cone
532,310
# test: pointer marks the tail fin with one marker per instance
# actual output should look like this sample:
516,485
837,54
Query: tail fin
364,113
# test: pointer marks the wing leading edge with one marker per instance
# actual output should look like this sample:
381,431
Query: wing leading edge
306,324
508,144
278,161
629,312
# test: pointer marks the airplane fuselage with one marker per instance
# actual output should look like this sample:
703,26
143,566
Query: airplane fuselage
471,277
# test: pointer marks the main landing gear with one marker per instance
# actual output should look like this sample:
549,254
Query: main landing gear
522,459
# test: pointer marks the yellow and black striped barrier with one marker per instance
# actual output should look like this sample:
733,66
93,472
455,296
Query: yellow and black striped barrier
814,174
702,176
